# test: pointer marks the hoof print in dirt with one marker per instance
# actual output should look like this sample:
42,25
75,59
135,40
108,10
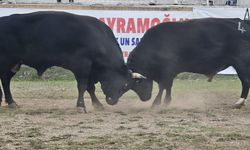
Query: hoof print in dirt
81,110
99,108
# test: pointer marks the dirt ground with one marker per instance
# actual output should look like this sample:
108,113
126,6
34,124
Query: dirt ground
199,117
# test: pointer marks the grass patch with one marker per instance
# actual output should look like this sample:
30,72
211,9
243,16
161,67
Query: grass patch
37,144
121,113
33,133
41,111
59,138
227,137
100,142
10,112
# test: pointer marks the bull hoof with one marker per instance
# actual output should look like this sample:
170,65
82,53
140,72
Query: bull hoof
155,106
81,110
156,103
237,106
13,105
239,103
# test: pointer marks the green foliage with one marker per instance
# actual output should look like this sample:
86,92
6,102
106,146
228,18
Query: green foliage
58,73
53,73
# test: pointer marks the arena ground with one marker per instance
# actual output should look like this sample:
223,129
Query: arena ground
199,117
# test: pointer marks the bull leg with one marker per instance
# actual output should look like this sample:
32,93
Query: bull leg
157,100
95,102
245,82
168,85
81,74
6,78
81,86
241,102
244,93
1,96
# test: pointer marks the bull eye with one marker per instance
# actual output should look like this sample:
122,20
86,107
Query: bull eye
138,81
124,88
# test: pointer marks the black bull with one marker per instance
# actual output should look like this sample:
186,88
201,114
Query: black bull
82,44
204,46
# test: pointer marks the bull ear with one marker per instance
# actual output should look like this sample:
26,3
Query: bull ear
136,75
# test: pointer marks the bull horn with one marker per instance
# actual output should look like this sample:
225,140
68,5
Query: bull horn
136,75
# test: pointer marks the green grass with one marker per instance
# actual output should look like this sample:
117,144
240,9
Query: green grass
57,89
